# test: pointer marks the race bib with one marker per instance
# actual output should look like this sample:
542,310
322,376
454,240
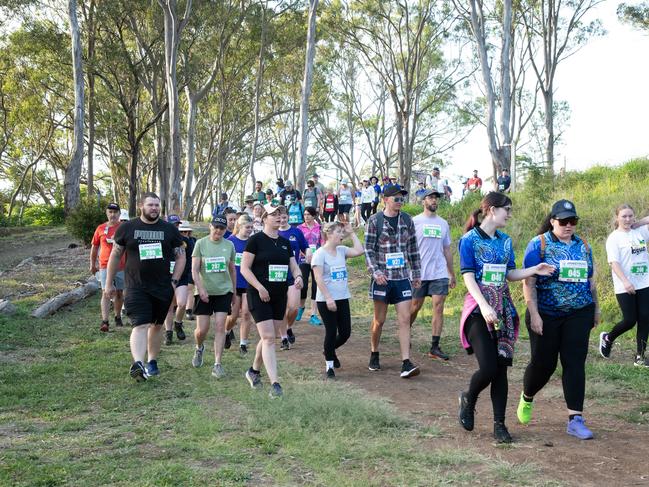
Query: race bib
432,231
237,259
472,186
394,260
110,240
329,206
277,273
494,274
313,248
150,251
573,270
501,187
339,273
639,269
294,218
309,202
214,264
172,266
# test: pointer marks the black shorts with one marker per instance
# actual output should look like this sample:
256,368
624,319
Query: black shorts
344,209
216,304
272,310
436,287
241,291
392,293
144,308
184,280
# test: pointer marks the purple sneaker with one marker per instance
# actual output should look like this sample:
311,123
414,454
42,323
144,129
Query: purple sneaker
577,428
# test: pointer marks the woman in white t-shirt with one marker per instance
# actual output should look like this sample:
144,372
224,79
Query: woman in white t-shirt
626,250
330,272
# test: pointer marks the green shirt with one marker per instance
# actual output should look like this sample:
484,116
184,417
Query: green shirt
215,261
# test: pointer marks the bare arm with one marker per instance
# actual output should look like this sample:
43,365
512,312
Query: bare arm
541,269
113,266
233,275
617,269
318,274
247,259
181,260
196,275
94,251
448,255
357,249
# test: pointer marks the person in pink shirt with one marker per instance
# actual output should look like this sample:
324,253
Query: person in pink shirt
313,234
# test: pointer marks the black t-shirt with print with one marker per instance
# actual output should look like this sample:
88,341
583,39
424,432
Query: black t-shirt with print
149,252
269,251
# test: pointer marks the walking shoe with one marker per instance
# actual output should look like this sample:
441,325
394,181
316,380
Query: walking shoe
315,321
169,337
285,345
138,372
374,362
604,345
300,312
336,362
189,315
640,361
466,412
180,333
524,411
276,391
104,326
254,378
197,361
408,369
290,335
243,350
228,340
217,371
330,374
152,368
118,321
577,428
436,352
500,432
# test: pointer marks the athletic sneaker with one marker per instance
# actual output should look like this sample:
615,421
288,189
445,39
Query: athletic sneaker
336,362
138,372
276,391
466,412
285,345
243,350
104,327
189,315
118,321
290,335
577,428
408,369
640,361
197,361
228,340
500,433
436,352
300,312
604,345
180,333
254,378
374,362
152,368
217,371
315,321
330,374
169,337
524,411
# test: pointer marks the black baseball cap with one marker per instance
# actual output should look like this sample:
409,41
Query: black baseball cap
563,209
219,221
393,191
113,206
430,192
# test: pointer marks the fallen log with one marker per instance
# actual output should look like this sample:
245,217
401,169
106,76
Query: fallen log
52,305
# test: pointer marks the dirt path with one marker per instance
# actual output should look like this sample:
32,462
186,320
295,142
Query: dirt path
21,243
616,457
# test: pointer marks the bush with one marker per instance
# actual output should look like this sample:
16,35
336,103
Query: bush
82,222
43,215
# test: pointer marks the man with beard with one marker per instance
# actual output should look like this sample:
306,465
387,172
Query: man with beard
434,243
150,245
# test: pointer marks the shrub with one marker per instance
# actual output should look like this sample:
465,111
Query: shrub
82,222
43,215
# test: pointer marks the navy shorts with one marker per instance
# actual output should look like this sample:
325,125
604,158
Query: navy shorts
436,287
393,292
344,209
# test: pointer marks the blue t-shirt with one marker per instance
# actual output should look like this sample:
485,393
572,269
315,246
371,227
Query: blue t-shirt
296,213
477,249
298,244
555,297
239,247
377,190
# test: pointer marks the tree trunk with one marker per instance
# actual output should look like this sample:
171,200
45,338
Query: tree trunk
73,171
91,98
192,111
548,98
258,84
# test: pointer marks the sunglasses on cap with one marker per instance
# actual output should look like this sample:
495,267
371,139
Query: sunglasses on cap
565,221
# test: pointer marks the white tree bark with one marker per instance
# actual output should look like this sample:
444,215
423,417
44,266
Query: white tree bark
258,86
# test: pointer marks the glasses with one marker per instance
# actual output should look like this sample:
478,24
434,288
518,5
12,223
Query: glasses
565,221
399,199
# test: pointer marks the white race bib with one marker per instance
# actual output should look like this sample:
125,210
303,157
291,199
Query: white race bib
172,266
639,269
494,274
214,264
150,251
394,260
573,270
432,231
338,273
237,259
277,273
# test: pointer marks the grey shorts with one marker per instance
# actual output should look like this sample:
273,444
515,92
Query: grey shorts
118,282
436,287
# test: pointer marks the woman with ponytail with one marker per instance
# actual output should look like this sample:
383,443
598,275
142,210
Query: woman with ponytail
489,323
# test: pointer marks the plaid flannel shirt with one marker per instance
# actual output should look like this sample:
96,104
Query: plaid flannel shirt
379,242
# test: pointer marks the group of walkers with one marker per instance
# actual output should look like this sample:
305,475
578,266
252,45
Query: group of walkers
257,268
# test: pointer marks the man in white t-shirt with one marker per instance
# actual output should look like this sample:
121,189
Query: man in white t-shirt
434,242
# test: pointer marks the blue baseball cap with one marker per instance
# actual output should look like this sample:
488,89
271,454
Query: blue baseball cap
175,219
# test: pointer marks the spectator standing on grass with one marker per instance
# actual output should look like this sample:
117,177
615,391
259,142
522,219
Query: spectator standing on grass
474,184
504,182
562,308
421,191
102,244
489,322
149,244
437,276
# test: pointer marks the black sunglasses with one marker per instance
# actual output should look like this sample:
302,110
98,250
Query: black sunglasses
565,221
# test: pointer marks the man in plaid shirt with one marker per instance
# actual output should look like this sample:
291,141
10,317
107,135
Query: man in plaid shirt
392,259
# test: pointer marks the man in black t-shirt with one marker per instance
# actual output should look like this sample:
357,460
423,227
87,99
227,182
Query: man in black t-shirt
150,245
290,195
504,181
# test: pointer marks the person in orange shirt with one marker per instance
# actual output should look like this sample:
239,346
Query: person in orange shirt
102,244
474,184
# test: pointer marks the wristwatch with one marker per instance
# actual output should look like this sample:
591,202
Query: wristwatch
174,282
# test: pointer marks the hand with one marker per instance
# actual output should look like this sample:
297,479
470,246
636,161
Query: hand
452,282
544,269
263,295
93,269
348,228
416,283
380,279
331,305
536,324
109,290
298,283
629,288
203,295
489,314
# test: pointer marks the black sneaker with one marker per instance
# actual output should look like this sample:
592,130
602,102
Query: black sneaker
436,352
500,433
152,368
291,336
228,340
285,345
276,391
604,345
169,337
466,412
408,369
330,374
336,362
138,372
118,321
189,315
243,350
253,378
374,362
180,333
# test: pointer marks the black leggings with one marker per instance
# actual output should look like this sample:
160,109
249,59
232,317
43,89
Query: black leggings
306,272
564,337
366,210
375,206
490,371
329,216
635,309
338,326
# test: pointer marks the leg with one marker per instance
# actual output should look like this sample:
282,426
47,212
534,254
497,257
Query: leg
344,322
380,312
403,322
642,306
573,351
266,348
499,390
154,341
486,353
331,326
105,307
544,355
118,303
438,314
202,329
189,305
627,304
292,305
231,320
219,336
181,303
138,342
244,329
415,307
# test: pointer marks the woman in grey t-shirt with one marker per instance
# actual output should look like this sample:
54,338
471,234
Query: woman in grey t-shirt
330,272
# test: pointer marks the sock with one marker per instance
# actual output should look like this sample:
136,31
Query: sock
527,399
572,416
375,354
243,342
435,342
330,364
254,371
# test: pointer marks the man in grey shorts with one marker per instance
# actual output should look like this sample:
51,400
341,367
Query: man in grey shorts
434,242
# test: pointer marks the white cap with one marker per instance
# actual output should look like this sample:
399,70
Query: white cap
123,215
185,227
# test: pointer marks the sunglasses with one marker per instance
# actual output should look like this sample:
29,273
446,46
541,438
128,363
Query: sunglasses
565,221
399,199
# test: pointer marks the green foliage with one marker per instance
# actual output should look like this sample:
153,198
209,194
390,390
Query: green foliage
83,221
44,215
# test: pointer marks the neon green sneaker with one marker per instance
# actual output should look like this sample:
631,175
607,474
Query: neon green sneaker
524,411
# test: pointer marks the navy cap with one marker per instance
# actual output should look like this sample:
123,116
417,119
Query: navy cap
113,206
173,219
393,191
219,221
563,209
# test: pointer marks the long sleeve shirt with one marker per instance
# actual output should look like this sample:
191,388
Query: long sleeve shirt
387,240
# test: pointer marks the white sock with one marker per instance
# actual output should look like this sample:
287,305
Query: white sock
243,342
330,364
284,337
